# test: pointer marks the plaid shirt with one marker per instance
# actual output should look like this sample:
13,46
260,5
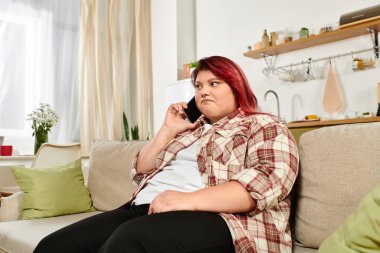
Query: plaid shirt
258,152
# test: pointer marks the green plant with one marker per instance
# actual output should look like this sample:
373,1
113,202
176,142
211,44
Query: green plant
126,126
194,64
135,132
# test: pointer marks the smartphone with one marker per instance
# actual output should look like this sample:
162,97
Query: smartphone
192,112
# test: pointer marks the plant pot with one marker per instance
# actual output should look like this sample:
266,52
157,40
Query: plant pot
39,139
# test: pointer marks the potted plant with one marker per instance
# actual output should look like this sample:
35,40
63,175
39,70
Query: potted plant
134,129
43,119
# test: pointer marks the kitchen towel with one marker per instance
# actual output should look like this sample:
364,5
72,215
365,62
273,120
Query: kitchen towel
332,98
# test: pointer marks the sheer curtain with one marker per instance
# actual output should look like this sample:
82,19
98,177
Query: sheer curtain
39,43
115,69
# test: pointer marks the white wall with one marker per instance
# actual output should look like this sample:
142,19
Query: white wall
164,53
227,27
186,34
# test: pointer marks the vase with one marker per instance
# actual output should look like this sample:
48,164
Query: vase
39,139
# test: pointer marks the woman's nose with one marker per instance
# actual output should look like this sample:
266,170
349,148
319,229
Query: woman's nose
204,91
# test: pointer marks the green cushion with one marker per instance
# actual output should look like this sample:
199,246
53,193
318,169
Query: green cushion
53,191
361,231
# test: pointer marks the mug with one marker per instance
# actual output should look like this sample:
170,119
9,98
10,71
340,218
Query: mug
286,76
6,150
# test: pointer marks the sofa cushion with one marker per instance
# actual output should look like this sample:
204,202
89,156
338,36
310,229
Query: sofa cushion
53,191
22,236
339,165
109,175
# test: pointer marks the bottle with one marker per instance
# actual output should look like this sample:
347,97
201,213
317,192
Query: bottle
265,39
273,38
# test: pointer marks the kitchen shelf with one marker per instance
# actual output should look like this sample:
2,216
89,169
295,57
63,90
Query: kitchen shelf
347,32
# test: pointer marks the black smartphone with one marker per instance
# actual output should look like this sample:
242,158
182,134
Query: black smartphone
192,112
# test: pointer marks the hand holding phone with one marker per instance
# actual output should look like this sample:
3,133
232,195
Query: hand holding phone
192,112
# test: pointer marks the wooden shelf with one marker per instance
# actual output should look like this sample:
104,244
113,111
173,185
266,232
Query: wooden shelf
322,123
347,32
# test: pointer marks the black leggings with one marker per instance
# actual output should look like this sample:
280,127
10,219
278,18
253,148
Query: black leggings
130,229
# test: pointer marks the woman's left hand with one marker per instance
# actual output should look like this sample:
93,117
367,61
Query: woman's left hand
172,201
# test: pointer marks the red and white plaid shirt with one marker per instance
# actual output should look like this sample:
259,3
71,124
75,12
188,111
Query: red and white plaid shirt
258,152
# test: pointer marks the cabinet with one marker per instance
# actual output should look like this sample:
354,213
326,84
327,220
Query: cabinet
357,29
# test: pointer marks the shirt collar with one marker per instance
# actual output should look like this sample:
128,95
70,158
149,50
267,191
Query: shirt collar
224,120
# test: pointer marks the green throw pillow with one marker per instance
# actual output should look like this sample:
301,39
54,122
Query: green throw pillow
361,231
53,191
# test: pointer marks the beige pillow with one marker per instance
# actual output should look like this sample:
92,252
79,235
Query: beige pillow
109,180
339,165
10,207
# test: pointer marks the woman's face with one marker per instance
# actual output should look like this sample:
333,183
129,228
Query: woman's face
213,96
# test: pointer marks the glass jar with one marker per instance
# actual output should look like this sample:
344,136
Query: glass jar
304,33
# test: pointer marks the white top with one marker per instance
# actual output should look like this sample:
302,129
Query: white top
182,174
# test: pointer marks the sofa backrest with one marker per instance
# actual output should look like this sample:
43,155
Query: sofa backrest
110,164
338,166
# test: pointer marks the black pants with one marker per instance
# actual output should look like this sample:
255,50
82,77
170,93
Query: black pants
130,229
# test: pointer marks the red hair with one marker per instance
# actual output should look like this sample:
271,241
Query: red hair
234,76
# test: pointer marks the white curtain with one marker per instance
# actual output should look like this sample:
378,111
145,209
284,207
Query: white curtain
39,42
115,69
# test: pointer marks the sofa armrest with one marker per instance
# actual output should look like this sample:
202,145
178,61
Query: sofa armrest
10,207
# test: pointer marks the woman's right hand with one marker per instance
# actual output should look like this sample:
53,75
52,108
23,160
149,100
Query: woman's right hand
176,120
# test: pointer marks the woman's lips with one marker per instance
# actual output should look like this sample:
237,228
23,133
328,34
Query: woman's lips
206,101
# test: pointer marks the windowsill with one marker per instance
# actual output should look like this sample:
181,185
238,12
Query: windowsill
16,157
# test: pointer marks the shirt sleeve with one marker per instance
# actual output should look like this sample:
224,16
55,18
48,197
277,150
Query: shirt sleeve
271,165
138,177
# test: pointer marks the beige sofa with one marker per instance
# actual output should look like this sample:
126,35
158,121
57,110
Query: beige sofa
339,165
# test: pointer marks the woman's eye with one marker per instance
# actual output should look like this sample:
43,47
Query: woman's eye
197,86
213,84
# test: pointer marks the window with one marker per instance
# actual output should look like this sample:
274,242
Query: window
17,77
39,43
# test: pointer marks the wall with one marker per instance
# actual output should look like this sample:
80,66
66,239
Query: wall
164,53
186,34
225,27
173,44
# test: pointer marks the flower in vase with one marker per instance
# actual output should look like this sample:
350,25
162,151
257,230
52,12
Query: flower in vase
43,119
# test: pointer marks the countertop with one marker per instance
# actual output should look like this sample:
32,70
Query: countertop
320,123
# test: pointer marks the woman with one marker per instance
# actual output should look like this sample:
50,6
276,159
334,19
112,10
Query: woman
220,184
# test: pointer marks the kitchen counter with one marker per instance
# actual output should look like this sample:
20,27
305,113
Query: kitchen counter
321,123
299,127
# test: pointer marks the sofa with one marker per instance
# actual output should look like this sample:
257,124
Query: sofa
338,166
